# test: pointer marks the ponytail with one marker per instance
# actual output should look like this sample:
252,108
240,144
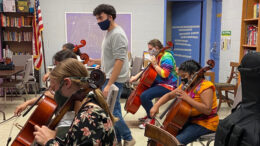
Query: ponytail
101,100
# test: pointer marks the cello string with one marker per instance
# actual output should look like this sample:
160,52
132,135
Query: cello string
11,130
8,119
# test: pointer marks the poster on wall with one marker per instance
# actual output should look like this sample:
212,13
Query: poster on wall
225,40
84,26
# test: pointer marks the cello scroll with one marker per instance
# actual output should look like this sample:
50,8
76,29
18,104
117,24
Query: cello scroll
83,56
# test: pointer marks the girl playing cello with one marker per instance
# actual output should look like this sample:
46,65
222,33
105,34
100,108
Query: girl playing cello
166,80
202,98
93,124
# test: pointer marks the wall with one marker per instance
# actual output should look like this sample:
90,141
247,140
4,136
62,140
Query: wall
231,20
147,21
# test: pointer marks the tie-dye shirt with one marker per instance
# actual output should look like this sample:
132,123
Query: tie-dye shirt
168,77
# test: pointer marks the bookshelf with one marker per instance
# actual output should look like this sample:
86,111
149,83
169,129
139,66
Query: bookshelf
16,31
250,39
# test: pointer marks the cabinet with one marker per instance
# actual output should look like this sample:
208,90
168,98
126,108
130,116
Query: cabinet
16,32
250,39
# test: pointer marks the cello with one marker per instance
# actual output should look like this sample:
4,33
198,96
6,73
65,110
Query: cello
179,110
147,78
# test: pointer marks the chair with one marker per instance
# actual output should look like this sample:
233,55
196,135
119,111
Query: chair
208,137
211,75
19,85
21,60
137,65
111,98
136,68
32,80
159,135
228,87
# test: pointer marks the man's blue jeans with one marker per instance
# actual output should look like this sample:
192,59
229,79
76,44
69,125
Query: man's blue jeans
191,132
122,130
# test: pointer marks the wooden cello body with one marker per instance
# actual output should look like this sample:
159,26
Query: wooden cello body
41,116
147,78
134,101
177,116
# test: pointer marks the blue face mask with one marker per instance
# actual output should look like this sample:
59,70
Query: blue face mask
104,25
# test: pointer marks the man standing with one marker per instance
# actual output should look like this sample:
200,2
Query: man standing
114,63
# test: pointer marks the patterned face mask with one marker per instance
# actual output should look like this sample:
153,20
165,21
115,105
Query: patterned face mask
153,52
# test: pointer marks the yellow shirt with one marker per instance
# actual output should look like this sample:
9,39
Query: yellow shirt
210,122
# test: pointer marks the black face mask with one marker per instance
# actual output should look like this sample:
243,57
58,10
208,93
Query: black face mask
184,80
59,98
104,25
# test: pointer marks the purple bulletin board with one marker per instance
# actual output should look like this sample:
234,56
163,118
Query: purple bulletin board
84,26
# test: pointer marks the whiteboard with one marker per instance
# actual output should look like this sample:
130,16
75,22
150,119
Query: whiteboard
84,26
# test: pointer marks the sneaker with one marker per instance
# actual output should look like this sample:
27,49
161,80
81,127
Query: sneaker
129,143
150,121
142,119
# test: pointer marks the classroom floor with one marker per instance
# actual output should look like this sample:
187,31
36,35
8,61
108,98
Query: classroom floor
131,120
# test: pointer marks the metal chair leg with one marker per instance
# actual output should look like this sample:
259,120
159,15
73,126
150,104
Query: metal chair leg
3,114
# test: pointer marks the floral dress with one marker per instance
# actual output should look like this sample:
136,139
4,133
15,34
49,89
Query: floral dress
91,126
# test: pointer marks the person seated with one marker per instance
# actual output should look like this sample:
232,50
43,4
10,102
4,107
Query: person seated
93,124
67,46
66,121
202,98
242,126
166,80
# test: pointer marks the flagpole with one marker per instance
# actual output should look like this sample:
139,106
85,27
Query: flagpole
43,53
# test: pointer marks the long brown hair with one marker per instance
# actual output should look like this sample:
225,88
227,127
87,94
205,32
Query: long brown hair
73,68
156,43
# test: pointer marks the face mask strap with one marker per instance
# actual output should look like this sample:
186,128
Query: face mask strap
61,84
88,80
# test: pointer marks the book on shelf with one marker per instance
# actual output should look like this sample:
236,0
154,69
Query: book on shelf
7,21
252,35
9,5
256,10
17,36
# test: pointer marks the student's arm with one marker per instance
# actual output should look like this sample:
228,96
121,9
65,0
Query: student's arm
115,73
46,76
135,78
166,65
94,61
165,98
205,106
20,108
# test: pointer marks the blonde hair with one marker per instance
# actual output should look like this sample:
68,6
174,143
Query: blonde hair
73,68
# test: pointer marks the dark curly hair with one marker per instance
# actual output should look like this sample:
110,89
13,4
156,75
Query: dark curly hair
190,66
69,46
106,8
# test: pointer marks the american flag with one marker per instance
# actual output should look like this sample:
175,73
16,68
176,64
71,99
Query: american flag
37,41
